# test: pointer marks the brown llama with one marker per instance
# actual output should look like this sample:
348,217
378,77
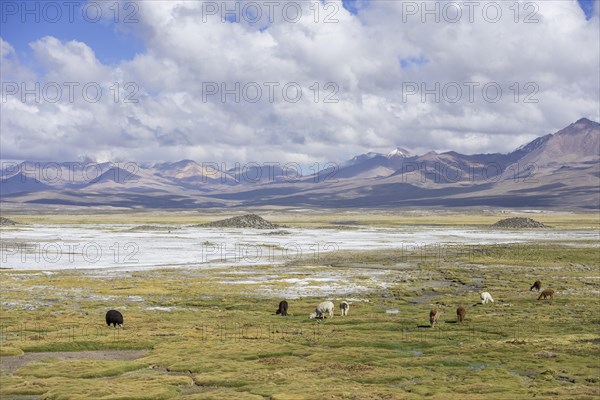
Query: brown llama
547,293
461,313
434,315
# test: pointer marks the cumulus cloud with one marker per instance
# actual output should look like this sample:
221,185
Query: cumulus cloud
72,59
5,49
371,66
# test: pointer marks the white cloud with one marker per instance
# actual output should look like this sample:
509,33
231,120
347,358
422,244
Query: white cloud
360,54
5,49
73,60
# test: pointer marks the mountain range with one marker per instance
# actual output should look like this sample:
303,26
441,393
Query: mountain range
560,170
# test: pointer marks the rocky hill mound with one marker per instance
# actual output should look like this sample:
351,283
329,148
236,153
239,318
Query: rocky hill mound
252,221
6,222
518,223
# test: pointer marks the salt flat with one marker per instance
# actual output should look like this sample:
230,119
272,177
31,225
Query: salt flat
123,247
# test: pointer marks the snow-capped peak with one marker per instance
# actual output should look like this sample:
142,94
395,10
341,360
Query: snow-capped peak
400,152
534,144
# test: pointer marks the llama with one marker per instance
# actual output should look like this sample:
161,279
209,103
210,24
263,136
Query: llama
283,307
486,297
537,285
325,307
547,293
434,315
461,313
344,307
114,317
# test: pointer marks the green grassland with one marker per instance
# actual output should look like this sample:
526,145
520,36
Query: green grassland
196,336
315,219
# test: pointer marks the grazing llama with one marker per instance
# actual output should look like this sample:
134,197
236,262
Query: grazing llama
283,307
537,285
114,318
461,313
486,297
547,293
326,307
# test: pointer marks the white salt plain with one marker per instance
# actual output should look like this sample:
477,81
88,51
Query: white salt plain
53,247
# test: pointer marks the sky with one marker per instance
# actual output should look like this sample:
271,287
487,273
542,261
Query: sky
290,81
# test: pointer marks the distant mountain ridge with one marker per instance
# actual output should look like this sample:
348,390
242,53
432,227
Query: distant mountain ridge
555,170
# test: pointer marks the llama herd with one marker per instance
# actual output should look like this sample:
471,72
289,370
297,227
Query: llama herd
486,297
327,308
537,285
323,310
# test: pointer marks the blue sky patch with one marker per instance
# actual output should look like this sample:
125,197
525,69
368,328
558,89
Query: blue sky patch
354,6
588,7
413,62
108,39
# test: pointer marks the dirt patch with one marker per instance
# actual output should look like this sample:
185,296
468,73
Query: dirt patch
272,361
13,363
152,228
277,233
336,368
546,354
